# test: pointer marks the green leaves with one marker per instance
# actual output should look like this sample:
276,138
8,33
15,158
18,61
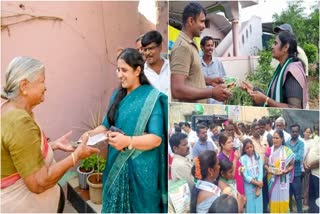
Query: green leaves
304,26
259,78
239,97
94,161
311,52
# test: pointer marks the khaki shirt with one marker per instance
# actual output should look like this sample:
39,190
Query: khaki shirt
185,60
181,169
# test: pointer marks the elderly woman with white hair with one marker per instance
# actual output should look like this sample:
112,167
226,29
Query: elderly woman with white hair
29,174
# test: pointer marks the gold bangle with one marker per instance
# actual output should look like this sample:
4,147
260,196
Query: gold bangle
73,159
130,145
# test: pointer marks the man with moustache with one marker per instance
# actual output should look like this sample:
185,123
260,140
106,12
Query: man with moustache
181,165
211,67
203,143
156,68
187,81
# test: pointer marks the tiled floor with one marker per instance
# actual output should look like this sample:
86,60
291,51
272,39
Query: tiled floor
68,208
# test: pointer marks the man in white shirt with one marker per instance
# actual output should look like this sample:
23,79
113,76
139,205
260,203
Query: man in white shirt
156,68
192,135
280,124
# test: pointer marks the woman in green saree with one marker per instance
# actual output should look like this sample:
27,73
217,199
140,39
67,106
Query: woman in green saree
135,178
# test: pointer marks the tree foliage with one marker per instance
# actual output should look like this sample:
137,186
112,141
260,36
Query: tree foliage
305,27
263,74
311,52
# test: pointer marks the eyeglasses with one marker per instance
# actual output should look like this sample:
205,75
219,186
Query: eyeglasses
145,50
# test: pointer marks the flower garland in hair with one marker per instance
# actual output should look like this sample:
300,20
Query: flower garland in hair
197,168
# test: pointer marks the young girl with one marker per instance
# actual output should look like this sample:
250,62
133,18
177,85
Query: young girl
253,174
227,183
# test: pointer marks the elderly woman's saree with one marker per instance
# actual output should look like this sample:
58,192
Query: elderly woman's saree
278,186
134,180
275,90
17,198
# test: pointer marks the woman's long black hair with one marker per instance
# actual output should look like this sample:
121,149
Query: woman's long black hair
208,159
134,59
286,37
245,142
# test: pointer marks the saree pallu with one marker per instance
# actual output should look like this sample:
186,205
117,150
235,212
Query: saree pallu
278,186
275,89
134,180
17,198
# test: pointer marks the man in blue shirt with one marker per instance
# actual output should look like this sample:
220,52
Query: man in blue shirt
211,67
203,144
297,147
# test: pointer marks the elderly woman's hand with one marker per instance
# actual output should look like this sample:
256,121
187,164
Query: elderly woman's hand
118,140
63,143
258,97
83,150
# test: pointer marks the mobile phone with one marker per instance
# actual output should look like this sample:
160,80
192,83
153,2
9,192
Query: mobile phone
115,129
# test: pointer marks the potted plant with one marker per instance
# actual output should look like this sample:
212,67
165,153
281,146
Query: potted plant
94,180
84,170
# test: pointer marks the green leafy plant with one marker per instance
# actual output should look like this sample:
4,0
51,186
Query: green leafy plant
313,89
95,162
239,97
275,112
311,52
259,78
263,74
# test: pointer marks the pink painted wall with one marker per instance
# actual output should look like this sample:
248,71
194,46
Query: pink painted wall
78,53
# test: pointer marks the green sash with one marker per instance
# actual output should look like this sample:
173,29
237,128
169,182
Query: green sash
275,88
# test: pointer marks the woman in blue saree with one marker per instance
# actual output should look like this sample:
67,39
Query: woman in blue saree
135,177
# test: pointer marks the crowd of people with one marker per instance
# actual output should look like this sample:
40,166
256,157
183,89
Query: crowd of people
259,165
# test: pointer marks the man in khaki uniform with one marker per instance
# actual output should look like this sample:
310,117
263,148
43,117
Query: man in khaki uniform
187,81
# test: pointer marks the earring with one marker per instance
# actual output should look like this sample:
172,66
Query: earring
24,93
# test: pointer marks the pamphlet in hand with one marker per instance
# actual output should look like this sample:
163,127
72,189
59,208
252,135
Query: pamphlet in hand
93,140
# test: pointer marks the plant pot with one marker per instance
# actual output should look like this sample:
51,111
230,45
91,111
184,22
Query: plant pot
95,187
83,178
